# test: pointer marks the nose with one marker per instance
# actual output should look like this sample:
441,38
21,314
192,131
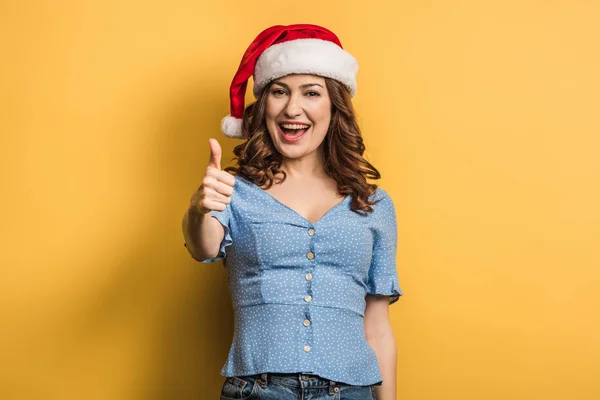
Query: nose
293,108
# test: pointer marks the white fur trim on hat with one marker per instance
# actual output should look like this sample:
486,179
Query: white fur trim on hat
305,56
232,127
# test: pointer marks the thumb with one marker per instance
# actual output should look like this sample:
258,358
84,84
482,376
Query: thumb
215,153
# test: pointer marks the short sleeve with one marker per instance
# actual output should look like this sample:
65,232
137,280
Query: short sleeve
383,276
224,217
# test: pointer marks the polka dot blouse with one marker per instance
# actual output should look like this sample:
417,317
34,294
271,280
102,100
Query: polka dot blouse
298,289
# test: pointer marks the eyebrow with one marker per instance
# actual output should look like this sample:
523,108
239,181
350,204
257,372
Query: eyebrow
306,85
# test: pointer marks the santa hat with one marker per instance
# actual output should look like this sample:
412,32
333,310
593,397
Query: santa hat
282,50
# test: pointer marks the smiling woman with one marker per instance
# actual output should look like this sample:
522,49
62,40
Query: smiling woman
309,243
298,108
325,106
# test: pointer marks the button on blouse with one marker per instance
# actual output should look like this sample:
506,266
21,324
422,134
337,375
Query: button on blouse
283,268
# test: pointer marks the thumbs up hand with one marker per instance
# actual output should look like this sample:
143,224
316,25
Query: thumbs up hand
217,186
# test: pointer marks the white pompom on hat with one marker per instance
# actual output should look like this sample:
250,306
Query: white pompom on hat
282,50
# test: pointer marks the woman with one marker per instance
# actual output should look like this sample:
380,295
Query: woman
308,243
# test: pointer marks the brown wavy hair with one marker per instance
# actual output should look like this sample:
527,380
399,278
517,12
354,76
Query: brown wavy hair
259,162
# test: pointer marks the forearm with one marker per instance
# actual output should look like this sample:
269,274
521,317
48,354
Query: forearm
386,352
203,234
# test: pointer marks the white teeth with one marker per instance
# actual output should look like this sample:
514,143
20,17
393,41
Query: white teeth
294,126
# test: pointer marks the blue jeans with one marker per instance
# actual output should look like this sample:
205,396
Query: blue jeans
292,387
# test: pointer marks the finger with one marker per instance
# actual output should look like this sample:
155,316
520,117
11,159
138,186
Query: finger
210,205
211,183
223,188
221,176
226,178
215,196
215,153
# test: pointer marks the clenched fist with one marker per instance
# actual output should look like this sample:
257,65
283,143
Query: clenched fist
217,186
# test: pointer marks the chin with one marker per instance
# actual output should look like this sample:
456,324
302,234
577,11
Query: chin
286,152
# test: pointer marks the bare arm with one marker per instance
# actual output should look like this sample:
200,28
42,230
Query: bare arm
203,234
380,337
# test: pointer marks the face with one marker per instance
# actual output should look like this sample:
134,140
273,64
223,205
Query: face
298,115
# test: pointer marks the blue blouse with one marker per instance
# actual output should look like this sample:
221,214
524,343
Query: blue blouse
298,289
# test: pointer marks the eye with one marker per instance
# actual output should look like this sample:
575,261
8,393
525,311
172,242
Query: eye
278,92
312,93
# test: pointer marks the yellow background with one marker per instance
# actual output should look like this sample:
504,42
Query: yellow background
482,116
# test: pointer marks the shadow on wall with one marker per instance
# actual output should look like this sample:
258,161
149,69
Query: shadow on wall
195,331
167,317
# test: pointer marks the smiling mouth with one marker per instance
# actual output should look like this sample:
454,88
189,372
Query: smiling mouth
293,132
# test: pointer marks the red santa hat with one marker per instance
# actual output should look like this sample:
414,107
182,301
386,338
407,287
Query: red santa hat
282,50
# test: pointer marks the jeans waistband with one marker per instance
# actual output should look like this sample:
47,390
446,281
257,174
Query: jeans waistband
305,381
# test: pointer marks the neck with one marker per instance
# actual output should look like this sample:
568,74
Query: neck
311,166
